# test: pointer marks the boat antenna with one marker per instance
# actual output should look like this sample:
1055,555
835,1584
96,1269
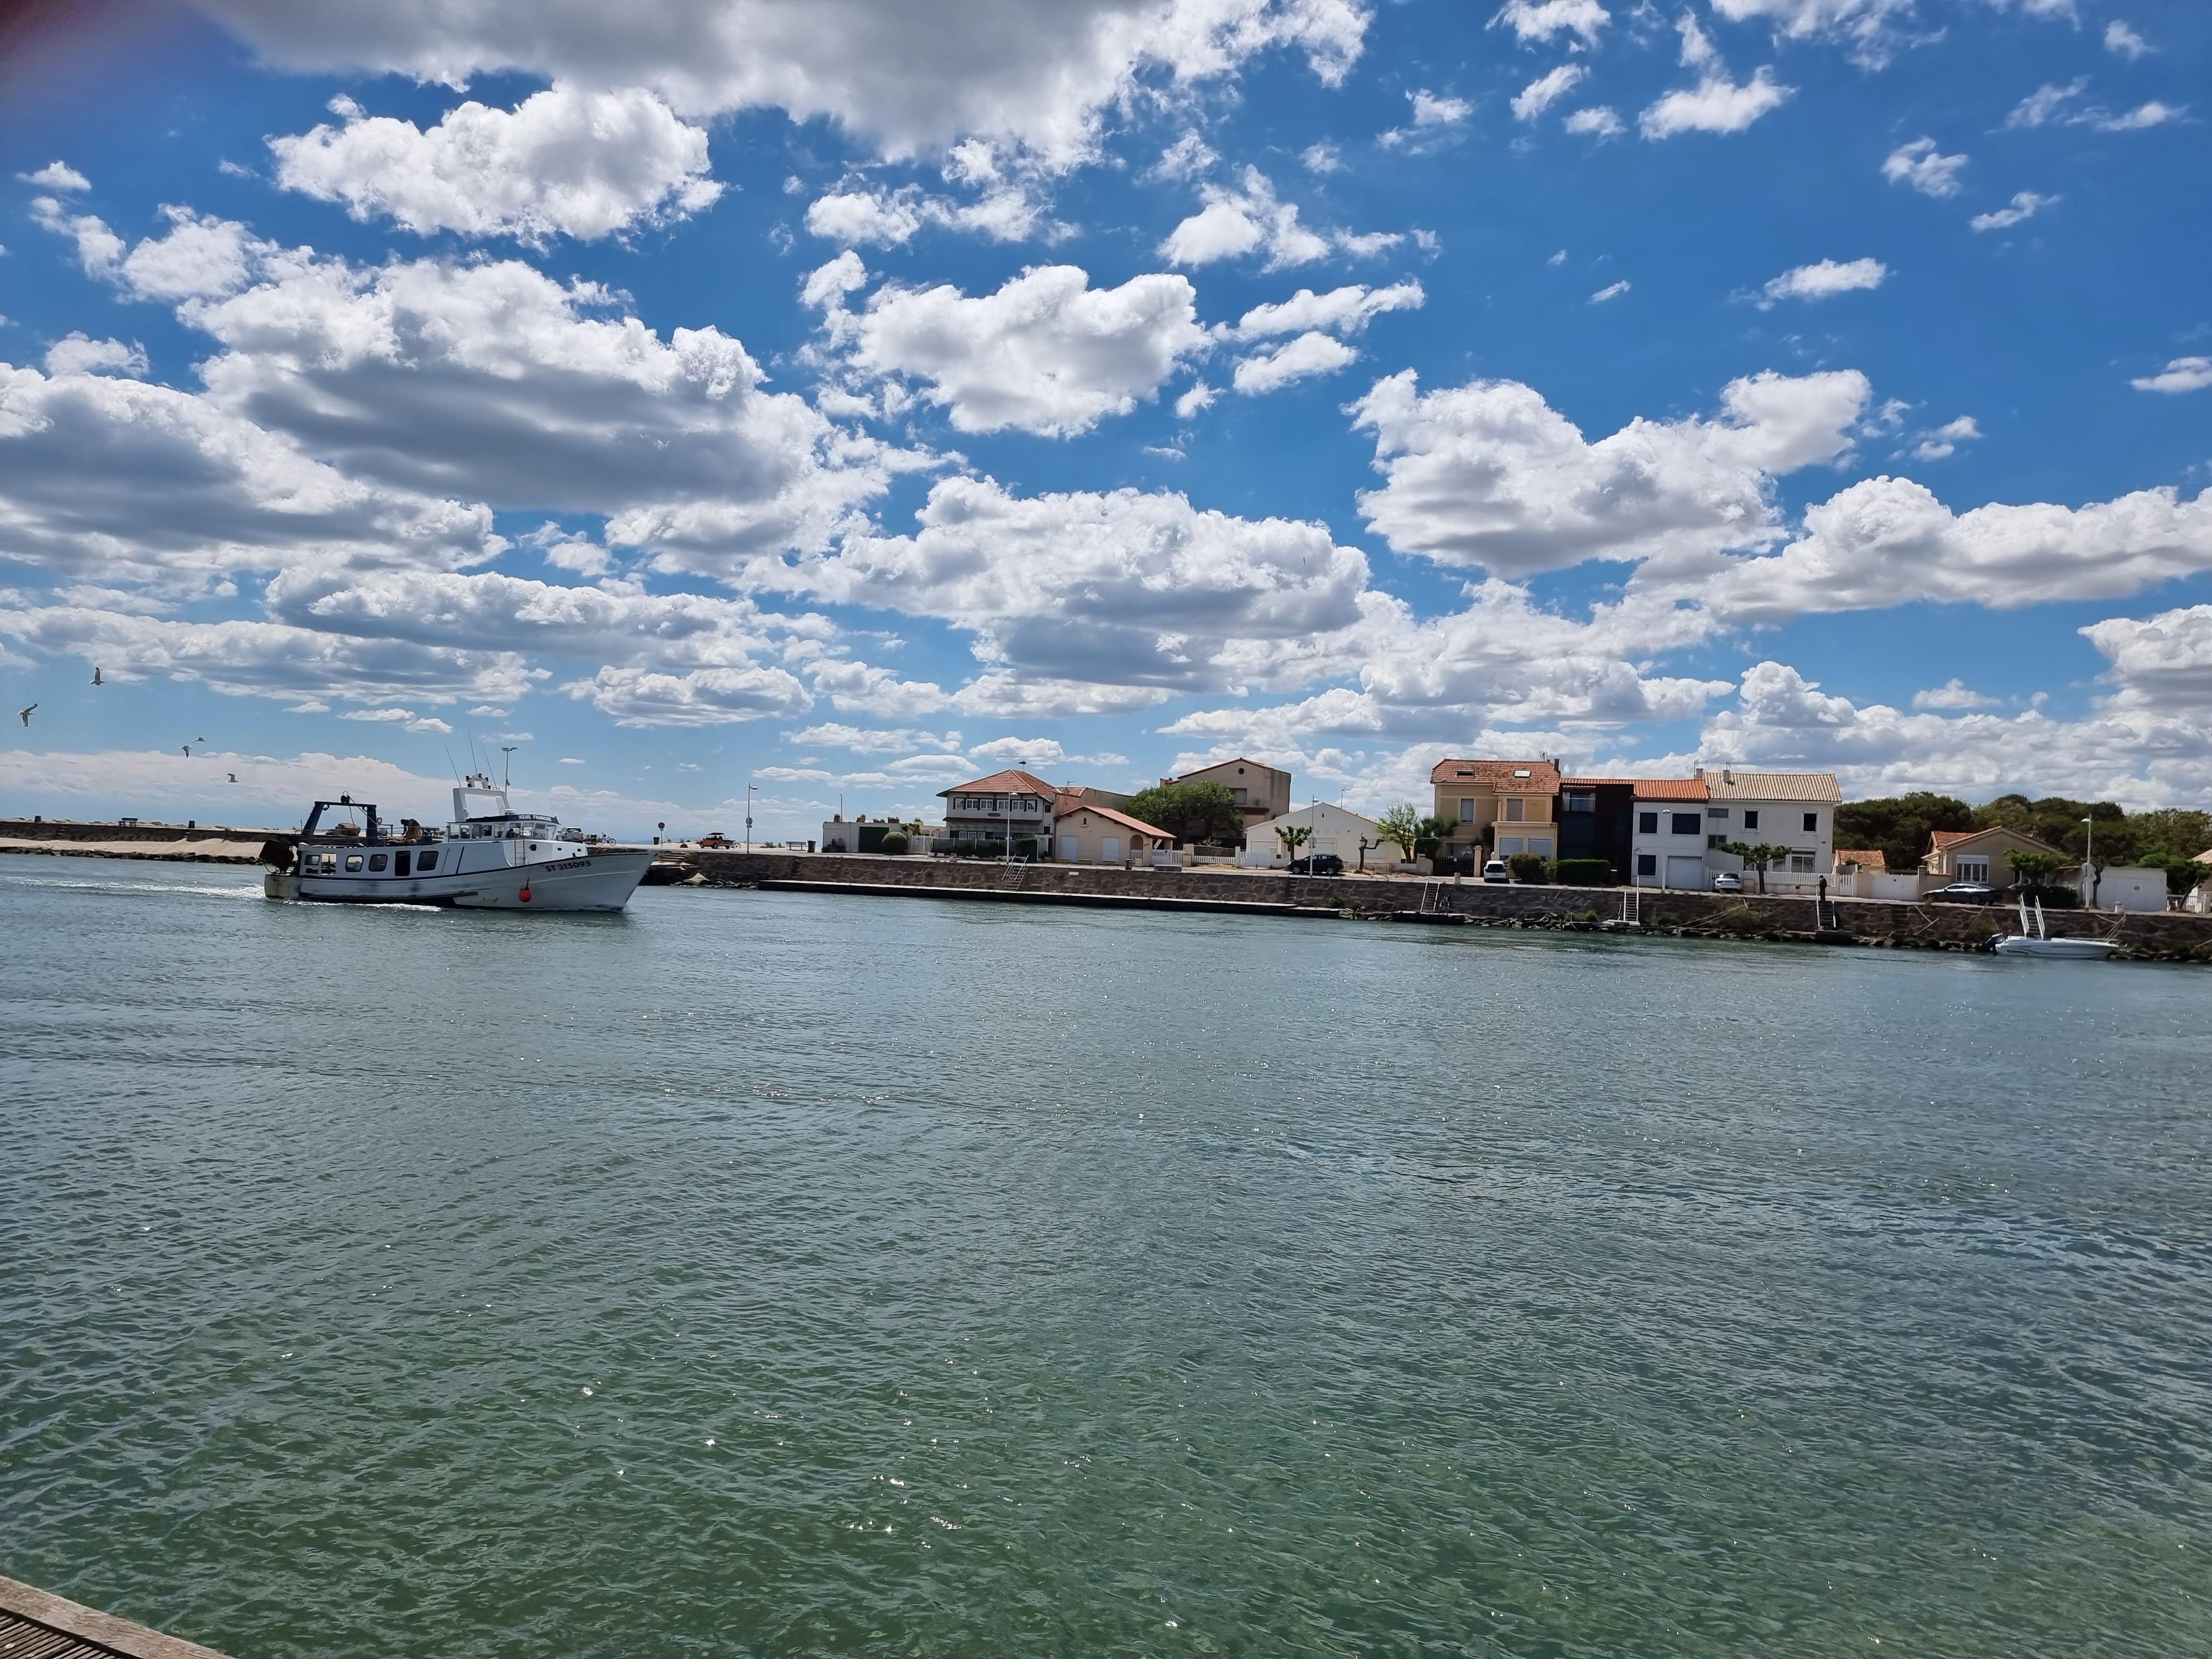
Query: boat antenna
507,765
450,767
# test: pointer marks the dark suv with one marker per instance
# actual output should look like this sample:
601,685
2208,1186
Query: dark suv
1320,864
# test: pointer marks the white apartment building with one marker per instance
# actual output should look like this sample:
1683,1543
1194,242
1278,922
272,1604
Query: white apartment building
1682,824
1796,810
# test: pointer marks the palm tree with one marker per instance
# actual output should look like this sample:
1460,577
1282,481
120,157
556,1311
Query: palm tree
1756,855
1293,837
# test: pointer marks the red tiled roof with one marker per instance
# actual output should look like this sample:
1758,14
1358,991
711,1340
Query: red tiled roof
1543,777
1869,857
1011,781
1671,789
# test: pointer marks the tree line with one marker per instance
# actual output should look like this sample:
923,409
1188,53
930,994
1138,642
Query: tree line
2167,839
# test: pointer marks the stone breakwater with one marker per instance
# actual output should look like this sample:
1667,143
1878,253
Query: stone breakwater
2172,937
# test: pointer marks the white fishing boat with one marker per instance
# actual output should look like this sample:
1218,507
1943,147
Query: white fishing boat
489,858
2034,939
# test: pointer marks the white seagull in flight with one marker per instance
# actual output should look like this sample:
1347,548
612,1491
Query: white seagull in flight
26,714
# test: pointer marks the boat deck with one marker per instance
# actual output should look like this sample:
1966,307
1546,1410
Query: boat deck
34,1624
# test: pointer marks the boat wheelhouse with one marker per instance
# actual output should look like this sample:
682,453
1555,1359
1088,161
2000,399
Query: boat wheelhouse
488,857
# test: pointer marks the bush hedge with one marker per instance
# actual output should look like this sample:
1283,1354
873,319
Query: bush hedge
1528,867
894,843
1583,873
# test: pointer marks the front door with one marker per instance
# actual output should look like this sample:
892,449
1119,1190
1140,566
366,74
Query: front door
1067,849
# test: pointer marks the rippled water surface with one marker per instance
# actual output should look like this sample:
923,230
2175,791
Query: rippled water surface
760,1273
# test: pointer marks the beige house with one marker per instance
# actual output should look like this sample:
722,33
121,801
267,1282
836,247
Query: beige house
1511,799
1977,856
1262,793
1086,832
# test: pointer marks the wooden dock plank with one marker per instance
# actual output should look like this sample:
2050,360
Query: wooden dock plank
37,1624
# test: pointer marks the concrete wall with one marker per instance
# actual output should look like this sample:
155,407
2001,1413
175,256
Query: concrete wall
2170,937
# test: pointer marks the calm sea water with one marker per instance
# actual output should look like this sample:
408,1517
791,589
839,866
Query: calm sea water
760,1274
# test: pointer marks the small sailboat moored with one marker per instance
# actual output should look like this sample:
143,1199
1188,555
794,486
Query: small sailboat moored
495,859
2034,939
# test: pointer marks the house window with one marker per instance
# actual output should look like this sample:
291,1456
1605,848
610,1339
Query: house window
1718,814
1581,800
1714,841
1800,864
1812,823
1508,845
1688,824
1540,845
1516,808
1974,870
1750,817
1647,823
1467,809
1647,864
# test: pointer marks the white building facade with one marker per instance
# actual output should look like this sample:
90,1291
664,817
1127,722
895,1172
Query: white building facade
1332,829
1796,810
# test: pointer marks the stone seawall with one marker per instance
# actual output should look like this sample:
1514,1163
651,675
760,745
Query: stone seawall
2172,937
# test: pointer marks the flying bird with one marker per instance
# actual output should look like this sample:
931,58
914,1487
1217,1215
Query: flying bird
96,680
26,714
232,777
187,748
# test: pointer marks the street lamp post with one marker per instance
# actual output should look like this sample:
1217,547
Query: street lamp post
751,789
2089,859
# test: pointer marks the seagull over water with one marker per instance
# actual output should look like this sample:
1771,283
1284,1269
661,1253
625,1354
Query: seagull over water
26,714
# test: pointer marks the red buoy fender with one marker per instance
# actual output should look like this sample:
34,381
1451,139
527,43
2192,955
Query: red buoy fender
524,896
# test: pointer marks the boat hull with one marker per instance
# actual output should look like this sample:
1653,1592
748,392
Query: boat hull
598,881
2063,950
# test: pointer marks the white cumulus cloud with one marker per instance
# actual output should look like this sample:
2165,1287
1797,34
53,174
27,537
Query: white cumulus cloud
2025,206
1047,353
1825,279
2182,374
1489,474
1308,355
1924,167
1540,20
565,161
1539,95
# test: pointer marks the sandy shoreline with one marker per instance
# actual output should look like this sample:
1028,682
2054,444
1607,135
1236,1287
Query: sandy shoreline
205,849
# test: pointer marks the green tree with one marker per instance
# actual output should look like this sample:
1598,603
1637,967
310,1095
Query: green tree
1293,837
2032,869
1431,833
1402,825
1900,825
1756,855
1192,812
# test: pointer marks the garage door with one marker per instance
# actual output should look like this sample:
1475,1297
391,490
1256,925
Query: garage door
1067,845
1109,848
1684,873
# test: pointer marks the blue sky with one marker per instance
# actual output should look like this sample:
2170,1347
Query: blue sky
855,396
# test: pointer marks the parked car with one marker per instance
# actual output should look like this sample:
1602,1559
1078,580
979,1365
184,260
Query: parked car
1963,892
1496,872
1317,864
1727,882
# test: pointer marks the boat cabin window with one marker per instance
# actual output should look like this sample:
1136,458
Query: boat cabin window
376,860
399,861
353,864
426,862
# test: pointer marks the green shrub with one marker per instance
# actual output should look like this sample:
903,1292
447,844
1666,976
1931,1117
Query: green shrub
1526,867
1025,846
2053,898
1583,873
894,843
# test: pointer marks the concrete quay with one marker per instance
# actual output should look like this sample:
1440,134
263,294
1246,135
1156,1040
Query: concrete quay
2173,936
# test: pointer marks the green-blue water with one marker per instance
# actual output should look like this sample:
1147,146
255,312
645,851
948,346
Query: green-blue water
760,1274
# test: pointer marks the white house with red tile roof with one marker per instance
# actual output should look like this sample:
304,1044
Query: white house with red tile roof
996,814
